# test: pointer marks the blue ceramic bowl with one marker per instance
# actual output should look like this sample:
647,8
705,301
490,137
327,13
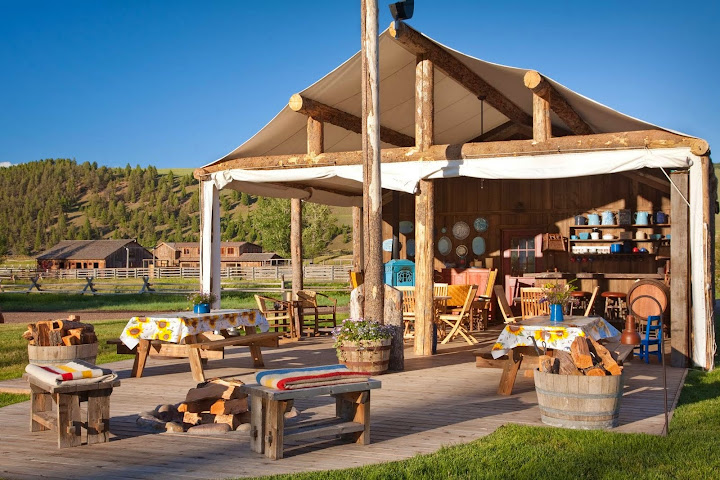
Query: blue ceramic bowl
584,235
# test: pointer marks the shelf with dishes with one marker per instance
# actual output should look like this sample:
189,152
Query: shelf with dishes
590,227
618,240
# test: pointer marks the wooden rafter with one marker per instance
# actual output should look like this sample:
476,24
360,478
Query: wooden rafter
650,180
327,114
418,44
503,132
558,104
555,145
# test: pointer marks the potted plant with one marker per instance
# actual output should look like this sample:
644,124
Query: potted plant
363,345
558,296
201,301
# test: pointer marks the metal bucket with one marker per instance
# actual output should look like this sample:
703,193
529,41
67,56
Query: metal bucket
580,402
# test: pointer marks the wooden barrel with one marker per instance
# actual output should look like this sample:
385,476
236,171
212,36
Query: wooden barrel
649,297
59,355
372,356
580,402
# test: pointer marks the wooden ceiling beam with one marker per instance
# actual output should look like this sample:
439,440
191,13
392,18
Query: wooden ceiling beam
558,104
555,145
418,44
650,180
327,114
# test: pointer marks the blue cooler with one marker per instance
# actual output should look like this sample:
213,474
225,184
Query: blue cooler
400,273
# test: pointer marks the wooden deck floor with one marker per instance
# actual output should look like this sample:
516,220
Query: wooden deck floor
437,401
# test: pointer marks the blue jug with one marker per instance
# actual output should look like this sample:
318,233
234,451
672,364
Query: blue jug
660,217
593,219
608,218
642,218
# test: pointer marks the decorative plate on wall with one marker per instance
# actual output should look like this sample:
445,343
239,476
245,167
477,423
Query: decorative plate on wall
387,245
406,227
480,224
410,247
461,230
461,251
444,245
478,245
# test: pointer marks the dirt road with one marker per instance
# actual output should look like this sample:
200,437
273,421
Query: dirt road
30,317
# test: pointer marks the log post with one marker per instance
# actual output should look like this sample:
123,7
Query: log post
557,102
372,189
680,271
210,240
394,317
424,211
542,127
357,239
296,245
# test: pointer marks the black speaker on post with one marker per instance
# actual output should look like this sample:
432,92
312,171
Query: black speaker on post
402,10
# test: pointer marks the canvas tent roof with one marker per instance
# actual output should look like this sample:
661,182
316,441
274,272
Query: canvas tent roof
457,120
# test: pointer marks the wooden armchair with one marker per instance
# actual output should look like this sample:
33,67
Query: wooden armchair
530,302
318,314
278,313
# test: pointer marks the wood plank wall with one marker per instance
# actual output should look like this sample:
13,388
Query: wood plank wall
547,205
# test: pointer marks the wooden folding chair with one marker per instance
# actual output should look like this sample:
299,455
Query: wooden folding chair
504,305
592,301
440,290
530,302
456,321
408,309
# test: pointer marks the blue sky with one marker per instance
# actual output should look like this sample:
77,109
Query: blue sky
181,83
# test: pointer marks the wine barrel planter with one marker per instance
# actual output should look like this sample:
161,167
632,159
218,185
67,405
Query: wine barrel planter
579,402
58,355
372,356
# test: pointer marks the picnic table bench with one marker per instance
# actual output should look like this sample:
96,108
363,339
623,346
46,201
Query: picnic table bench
268,432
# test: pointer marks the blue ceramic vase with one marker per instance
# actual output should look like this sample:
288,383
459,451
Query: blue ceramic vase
202,308
556,312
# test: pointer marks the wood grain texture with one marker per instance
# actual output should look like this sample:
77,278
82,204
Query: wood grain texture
679,283
556,102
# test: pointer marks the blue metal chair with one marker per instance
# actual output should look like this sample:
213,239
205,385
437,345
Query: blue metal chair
653,336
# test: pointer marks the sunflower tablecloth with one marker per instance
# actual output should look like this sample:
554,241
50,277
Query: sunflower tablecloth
555,335
173,327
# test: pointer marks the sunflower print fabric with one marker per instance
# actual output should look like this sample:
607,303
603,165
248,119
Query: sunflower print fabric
557,336
174,327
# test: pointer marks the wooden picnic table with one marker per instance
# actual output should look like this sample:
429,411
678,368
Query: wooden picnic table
515,340
190,335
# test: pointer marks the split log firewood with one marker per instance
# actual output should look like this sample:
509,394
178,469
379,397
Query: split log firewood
581,353
71,325
608,362
229,407
232,420
89,337
198,406
196,418
69,340
595,372
28,334
214,390
549,364
566,365
43,331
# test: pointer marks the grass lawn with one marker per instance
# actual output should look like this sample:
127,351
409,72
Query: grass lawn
52,302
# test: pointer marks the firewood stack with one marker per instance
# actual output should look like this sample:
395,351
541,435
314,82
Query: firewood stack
57,333
216,401
586,357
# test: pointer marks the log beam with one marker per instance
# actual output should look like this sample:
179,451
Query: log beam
650,180
328,114
542,127
555,145
418,44
558,104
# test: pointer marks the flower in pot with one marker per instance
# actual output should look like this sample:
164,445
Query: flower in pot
201,301
558,296
363,345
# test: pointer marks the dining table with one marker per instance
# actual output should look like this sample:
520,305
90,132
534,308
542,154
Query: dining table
523,337
172,334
